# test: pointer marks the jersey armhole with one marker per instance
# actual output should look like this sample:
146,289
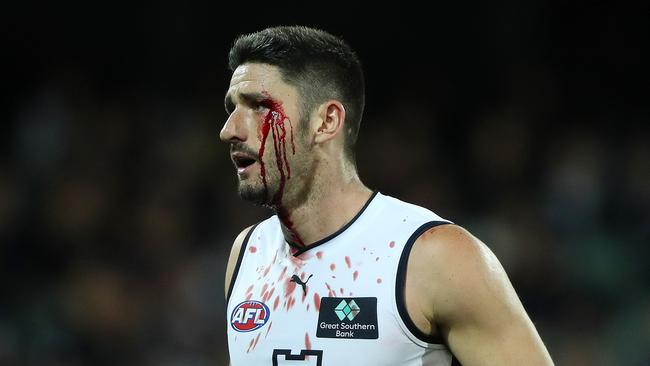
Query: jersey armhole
242,251
400,284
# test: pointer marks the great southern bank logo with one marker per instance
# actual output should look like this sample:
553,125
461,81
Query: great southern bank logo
347,310
249,316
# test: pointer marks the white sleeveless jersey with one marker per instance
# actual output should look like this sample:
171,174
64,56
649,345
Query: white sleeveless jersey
339,301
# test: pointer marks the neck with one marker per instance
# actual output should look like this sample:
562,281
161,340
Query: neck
331,203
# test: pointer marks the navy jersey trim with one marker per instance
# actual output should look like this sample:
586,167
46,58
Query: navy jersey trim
242,250
338,232
400,284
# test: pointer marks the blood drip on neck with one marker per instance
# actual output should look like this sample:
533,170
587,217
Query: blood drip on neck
274,123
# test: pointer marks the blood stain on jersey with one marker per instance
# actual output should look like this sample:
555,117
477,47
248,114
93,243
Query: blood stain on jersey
276,302
319,255
290,301
348,262
355,275
266,285
307,341
256,339
392,244
268,295
332,266
252,249
331,292
317,301
289,287
379,280
297,262
282,273
268,329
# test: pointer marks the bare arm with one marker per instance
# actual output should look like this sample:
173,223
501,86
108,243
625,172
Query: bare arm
467,298
234,255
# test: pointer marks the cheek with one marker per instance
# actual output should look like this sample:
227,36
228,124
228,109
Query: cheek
261,120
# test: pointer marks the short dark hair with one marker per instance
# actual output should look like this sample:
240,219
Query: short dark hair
320,65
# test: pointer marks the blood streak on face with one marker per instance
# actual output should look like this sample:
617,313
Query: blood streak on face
274,122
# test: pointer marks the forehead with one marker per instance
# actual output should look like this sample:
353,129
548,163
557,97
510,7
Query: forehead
257,77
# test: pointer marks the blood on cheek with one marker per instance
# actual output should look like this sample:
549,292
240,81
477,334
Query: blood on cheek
273,122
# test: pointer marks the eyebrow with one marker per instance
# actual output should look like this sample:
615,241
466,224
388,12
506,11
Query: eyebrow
252,97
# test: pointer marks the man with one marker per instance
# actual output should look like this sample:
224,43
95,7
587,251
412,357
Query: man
341,274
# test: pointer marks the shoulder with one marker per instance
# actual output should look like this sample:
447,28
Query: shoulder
240,240
451,242
466,296
456,266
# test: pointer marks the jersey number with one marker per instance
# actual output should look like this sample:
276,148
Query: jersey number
281,355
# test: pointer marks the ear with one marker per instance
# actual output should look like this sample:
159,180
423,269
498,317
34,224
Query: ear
331,117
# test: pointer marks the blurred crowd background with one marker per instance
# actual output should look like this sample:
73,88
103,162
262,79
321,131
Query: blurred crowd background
527,123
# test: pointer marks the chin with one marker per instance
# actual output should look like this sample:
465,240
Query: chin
253,193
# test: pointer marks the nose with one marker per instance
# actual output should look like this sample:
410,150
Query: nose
233,129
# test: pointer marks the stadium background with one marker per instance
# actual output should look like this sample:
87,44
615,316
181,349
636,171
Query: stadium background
525,123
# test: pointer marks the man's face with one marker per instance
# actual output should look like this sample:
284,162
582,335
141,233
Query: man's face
268,147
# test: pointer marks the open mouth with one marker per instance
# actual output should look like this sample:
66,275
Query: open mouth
242,161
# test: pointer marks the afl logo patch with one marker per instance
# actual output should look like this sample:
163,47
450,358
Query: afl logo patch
249,316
